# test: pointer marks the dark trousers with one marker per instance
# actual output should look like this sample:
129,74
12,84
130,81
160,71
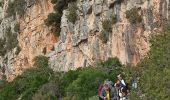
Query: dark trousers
100,98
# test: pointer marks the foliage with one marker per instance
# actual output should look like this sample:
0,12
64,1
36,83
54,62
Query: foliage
40,61
83,83
17,6
17,27
133,16
25,85
2,46
107,28
40,82
11,40
156,70
48,91
114,19
18,49
153,71
107,25
104,36
72,12
54,19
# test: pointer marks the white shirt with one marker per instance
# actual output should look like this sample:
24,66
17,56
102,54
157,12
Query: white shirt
123,82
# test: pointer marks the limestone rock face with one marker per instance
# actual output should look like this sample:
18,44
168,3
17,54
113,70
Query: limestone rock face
80,44
33,38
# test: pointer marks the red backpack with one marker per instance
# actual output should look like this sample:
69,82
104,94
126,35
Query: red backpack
100,89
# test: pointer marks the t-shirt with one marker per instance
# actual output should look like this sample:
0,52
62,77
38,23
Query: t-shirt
123,82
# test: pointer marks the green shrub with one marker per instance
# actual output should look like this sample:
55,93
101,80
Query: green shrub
17,6
114,19
104,36
17,27
49,91
133,16
11,40
86,84
54,19
28,83
18,49
40,61
107,25
1,3
2,46
72,13
54,1
154,70
83,83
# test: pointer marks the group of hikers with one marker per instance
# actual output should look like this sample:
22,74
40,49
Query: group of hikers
117,91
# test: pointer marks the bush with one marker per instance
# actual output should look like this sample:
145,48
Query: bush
107,25
40,61
17,27
18,49
154,71
17,6
2,46
133,16
27,84
11,40
54,19
114,19
49,91
72,13
104,36
83,83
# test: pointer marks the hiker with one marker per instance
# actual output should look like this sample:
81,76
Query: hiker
108,92
122,88
122,82
134,80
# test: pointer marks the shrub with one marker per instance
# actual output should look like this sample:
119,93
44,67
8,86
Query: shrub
54,1
25,85
1,3
40,61
49,91
54,19
114,19
107,25
104,36
133,16
11,40
72,12
18,49
83,83
17,6
2,46
107,28
17,27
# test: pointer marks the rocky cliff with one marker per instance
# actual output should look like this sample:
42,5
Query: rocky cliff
88,40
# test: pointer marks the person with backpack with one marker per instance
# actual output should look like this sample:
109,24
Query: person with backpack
108,92
122,88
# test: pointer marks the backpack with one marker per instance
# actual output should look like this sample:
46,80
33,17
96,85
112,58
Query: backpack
100,89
